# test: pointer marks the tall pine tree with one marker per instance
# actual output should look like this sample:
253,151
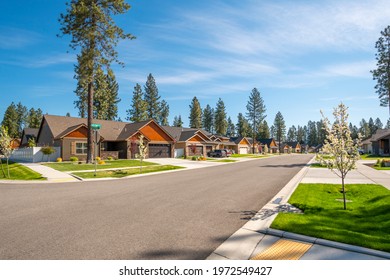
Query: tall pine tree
177,121
231,128
242,126
220,118
280,128
255,113
152,99
382,73
137,111
164,113
92,28
263,130
208,119
195,114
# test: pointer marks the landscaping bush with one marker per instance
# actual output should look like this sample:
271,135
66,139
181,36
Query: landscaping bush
385,163
98,159
378,162
47,151
59,159
73,159
101,162
110,158
194,158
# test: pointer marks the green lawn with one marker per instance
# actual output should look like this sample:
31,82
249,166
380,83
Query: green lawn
19,172
225,160
366,222
125,172
69,166
373,157
381,168
317,165
248,155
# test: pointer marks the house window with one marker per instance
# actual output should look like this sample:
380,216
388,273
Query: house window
81,148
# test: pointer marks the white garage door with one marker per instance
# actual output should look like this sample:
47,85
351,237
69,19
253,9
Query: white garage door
243,150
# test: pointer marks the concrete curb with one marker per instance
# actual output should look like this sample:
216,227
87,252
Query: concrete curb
327,243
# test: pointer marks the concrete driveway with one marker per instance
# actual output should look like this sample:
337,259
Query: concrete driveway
179,215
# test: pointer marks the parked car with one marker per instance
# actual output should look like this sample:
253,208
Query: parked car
228,152
217,153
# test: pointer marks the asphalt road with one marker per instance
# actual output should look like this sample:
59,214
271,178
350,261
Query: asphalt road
179,215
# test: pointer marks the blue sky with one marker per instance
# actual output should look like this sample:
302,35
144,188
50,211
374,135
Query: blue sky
303,56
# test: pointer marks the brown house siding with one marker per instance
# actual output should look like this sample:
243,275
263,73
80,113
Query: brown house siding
154,133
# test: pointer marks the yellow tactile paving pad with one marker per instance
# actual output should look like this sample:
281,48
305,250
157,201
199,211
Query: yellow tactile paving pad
284,250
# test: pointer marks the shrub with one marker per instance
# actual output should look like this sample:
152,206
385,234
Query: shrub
98,159
73,159
80,162
101,162
59,159
194,158
378,162
110,158
385,163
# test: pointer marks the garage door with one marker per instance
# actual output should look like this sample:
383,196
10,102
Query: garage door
243,150
195,151
159,151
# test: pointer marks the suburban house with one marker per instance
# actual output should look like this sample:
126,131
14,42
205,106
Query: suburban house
224,142
27,134
190,141
295,146
242,145
116,139
379,143
270,143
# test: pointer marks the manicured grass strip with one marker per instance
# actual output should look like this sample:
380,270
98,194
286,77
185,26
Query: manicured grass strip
125,172
247,156
226,160
317,165
19,172
366,222
381,168
372,157
70,166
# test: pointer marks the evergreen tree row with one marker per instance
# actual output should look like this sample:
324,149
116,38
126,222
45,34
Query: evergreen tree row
17,117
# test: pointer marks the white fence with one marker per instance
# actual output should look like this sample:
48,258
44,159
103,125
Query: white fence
34,155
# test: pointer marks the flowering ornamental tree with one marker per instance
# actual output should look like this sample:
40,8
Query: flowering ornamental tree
5,147
340,151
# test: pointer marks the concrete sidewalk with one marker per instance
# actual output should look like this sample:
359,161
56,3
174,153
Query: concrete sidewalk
51,174
255,240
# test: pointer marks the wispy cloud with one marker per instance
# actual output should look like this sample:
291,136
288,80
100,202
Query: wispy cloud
359,69
40,62
16,38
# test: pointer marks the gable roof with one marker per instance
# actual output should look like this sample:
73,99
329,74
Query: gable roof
380,133
266,141
29,133
238,139
61,126
182,134
293,144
